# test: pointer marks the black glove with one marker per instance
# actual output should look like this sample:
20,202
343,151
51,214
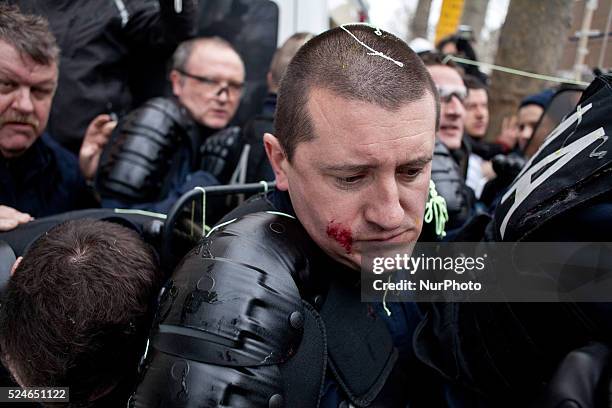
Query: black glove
221,152
508,166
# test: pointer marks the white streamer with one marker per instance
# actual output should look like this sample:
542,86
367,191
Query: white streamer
372,50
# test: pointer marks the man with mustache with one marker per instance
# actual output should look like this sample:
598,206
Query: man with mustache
37,176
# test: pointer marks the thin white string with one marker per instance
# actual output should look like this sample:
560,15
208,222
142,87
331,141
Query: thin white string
373,51
203,208
514,71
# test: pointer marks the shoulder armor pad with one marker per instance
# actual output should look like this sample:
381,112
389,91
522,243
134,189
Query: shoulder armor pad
229,316
135,162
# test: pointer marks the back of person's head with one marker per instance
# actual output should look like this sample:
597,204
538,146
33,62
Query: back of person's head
28,34
76,310
283,56
356,62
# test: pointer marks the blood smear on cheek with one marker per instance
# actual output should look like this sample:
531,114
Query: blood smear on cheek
341,235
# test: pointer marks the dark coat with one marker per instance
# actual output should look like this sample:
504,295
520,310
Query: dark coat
100,41
45,180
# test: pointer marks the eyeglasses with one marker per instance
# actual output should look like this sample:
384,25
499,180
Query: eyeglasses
447,92
216,87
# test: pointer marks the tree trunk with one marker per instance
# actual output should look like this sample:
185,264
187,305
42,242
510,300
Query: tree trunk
532,39
474,12
420,19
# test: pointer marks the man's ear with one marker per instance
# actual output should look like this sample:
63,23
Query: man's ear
176,80
278,160
270,83
16,265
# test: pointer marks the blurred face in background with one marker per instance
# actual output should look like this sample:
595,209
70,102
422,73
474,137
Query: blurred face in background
528,118
476,113
26,92
452,93
210,86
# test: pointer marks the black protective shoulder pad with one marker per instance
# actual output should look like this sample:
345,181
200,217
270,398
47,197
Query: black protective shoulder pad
137,159
230,316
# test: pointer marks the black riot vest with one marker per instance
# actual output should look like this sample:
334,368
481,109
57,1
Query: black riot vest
250,319
146,150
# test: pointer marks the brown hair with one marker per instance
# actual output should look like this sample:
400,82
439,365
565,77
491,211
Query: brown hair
472,82
335,61
435,58
76,310
29,34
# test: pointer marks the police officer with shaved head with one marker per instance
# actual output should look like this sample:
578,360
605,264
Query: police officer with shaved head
266,312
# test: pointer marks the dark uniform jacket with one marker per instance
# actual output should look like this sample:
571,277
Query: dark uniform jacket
45,180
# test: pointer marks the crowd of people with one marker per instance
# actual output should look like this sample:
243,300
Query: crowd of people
360,135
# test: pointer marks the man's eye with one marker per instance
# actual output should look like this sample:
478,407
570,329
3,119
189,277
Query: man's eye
350,181
7,86
236,86
42,92
410,173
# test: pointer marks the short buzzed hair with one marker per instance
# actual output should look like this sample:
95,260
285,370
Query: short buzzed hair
340,63
183,51
29,34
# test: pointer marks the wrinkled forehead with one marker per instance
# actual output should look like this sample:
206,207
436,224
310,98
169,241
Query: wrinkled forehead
348,124
209,58
22,68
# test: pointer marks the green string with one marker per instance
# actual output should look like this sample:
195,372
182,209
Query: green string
435,209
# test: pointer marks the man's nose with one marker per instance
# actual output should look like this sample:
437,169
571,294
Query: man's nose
23,100
385,209
453,107
525,132
223,94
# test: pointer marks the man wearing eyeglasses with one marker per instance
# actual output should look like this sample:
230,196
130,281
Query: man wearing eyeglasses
449,167
207,78
154,155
